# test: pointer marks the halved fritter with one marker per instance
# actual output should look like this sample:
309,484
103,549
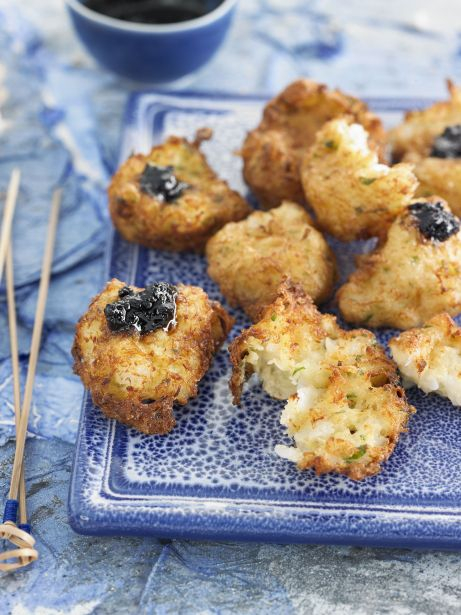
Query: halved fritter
414,274
430,357
353,195
272,152
430,139
136,378
249,259
171,199
345,407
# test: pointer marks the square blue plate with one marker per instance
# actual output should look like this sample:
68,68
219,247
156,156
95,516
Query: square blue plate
216,475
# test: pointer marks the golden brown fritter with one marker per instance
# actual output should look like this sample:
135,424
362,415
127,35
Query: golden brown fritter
135,378
430,357
440,176
187,222
416,134
352,194
412,141
345,407
408,278
250,259
272,152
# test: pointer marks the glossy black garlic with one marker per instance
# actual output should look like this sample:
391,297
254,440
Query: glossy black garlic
145,311
434,221
161,183
448,144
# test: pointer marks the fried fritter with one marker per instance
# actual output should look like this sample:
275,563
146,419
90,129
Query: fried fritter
417,133
171,199
353,195
345,407
414,274
430,357
440,176
136,378
250,259
422,139
272,152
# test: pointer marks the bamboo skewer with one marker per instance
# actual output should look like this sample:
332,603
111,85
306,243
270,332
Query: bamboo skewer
15,365
10,206
20,536
35,345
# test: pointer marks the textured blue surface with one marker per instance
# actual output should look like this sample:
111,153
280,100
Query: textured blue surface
59,118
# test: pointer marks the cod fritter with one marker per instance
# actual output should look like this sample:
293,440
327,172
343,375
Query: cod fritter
431,140
250,259
419,130
430,357
136,378
414,274
272,152
353,195
171,199
345,407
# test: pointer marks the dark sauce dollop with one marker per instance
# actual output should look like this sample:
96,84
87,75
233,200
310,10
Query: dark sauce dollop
448,144
434,222
161,183
146,311
152,11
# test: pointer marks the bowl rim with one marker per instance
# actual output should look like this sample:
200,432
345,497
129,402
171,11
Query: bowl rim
183,26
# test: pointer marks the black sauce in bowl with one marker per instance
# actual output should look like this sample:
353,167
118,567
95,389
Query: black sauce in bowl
152,11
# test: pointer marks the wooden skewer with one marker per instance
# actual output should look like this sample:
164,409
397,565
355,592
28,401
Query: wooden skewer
35,345
23,553
8,213
15,365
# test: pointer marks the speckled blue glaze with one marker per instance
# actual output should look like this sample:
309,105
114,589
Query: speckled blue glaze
152,53
216,475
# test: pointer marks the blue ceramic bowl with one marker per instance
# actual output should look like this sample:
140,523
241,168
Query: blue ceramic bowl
152,53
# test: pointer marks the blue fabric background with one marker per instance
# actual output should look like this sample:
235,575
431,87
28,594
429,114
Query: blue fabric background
60,118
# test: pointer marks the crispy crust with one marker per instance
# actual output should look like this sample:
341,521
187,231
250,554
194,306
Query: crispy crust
188,222
137,379
416,134
272,152
406,280
266,248
293,321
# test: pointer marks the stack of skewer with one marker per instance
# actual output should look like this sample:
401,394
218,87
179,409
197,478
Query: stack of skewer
15,530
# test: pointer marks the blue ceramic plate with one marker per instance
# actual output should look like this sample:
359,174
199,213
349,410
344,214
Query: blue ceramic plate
216,475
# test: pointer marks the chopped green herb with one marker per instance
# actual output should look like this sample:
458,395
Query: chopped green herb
366,181
415,259
360,452
351,400
358,357
274,317
368,317
331,144
298,369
